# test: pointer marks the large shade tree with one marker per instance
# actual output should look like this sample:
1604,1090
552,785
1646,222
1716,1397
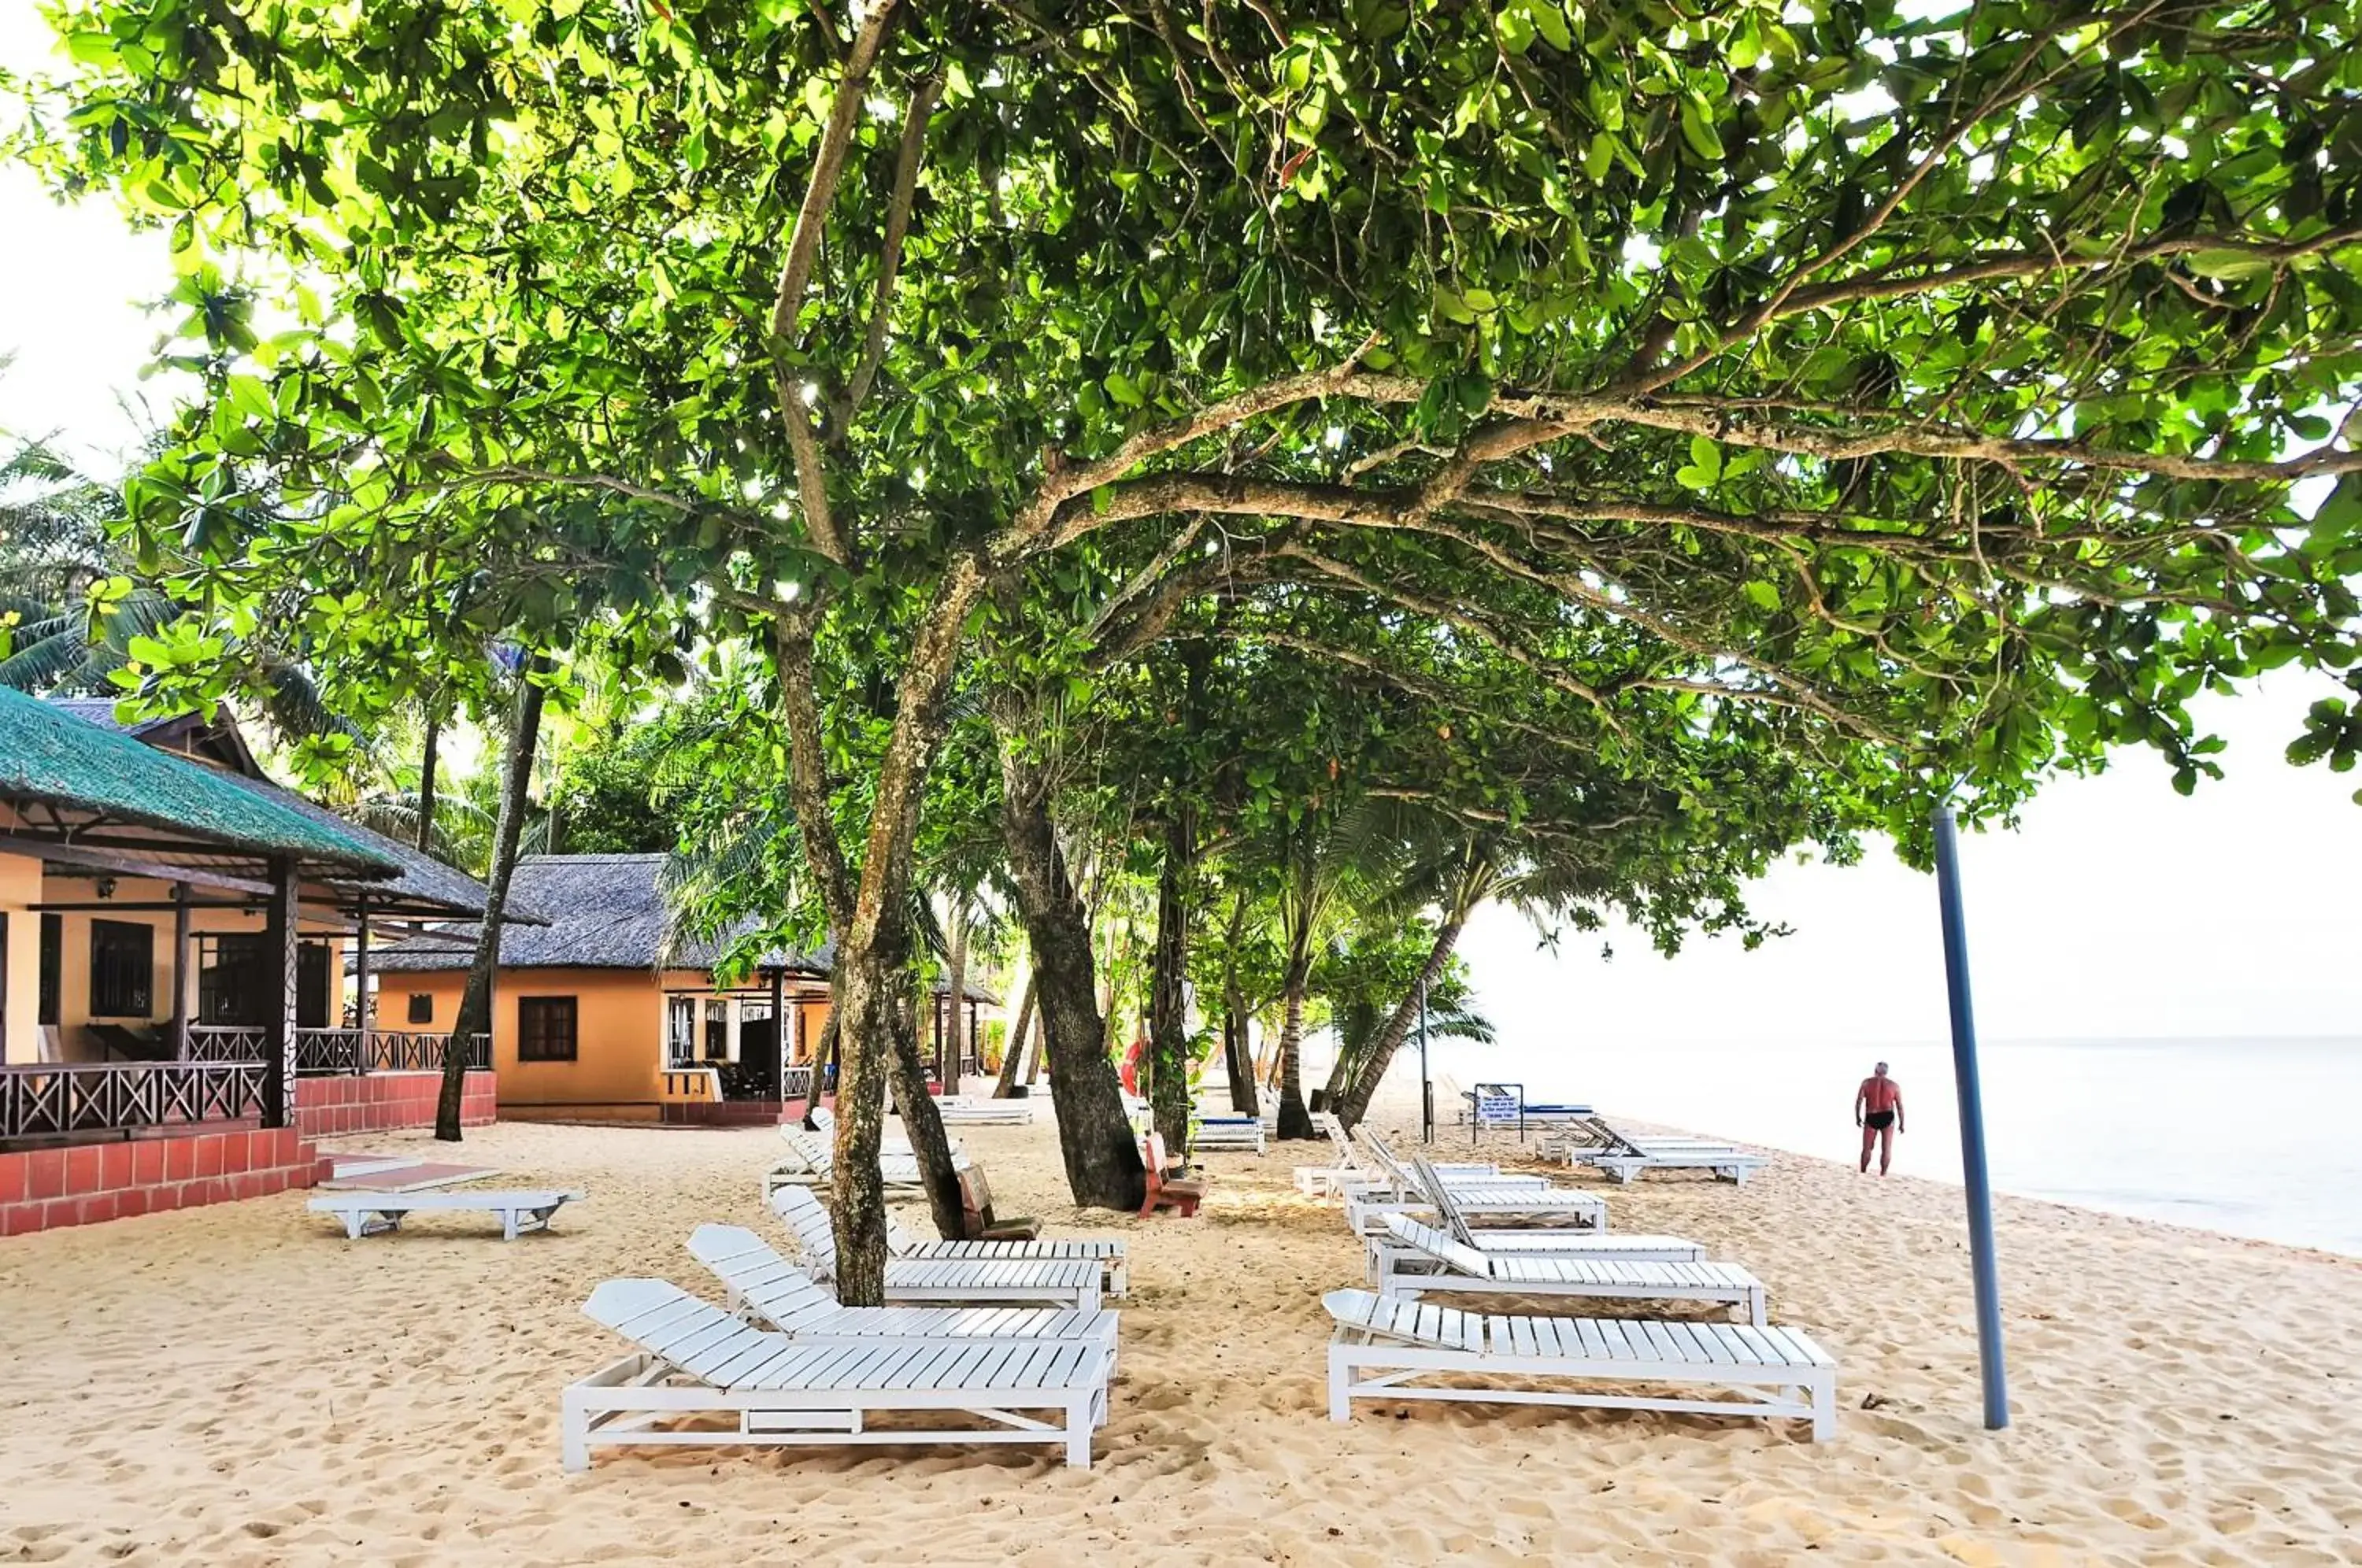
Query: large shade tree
1936,386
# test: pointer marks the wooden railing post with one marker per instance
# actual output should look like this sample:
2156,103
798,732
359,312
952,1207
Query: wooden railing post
362,1013
282,968
181,971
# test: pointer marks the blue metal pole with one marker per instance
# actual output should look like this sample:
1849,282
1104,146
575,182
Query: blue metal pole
1972,1124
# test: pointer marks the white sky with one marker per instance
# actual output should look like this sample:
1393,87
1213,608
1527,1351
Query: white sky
2120,910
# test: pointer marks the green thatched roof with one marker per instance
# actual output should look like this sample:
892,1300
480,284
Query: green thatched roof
52,756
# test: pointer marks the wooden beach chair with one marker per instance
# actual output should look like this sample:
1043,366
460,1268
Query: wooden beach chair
762,1282
1053,1282
373,1213
1456,1266
1383,1343
694,1359
1180,1193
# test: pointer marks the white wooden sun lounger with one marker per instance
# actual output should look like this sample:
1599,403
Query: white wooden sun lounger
1055,1282
812,1162
1351,1173
1390,1258
696,1359
1623,1157
1457,1267
1108,1251
1485,1200
788,1300
958,1112
372,1213
1382,1344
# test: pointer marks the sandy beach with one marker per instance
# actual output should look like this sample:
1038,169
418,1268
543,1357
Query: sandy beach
239,1384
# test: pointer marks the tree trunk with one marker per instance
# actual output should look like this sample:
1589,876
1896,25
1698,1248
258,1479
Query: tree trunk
925,1126
1013,1048
1103,1167
475,1018
1350,1099
1237,1055
1294,1120
1168,1021
955,1000
427,785
869,919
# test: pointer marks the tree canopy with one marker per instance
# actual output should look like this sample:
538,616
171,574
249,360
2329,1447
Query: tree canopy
1926,399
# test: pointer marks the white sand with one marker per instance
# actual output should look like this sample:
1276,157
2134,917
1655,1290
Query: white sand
238,1385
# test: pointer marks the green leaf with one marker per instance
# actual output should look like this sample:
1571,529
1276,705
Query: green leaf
1697,128
1123,389
1762,596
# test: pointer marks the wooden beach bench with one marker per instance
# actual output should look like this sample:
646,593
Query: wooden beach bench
1456,1266
1490,1199
372,1214
1245,1133
1383,1343
694,1359
760,1280
1056,1282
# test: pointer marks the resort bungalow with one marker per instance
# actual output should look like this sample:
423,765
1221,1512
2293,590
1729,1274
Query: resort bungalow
170,924
601,1015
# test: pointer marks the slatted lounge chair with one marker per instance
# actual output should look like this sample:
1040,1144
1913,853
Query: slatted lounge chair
1624,1158
1051,1281
962,1112
1354,1173
373,1213
1382,1343
1108,1251
696,1359
1457,1267
812,1162
762,1282
1483,1200
1390,1259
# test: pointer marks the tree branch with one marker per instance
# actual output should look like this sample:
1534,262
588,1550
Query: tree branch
796,271
890,257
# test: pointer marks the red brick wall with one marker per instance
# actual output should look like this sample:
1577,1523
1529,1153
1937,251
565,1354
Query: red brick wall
41,1190
384,1102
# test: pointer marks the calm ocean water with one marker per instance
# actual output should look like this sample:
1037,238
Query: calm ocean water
2253,1137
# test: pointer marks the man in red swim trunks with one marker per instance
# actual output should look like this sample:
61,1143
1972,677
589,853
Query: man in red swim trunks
1878,1111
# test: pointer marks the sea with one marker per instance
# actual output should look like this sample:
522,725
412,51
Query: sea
2259,1137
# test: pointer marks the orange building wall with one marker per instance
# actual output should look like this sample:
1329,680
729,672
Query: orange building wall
24,884
619,1038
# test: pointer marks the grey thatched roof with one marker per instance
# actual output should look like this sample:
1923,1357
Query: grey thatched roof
50,756
422,885
605,911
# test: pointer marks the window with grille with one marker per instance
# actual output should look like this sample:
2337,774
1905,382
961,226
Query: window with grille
544,1029
422,1007
122,968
